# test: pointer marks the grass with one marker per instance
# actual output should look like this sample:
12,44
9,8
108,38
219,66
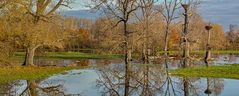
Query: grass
73,55
8,74
219,52
230,71
201,52
227,52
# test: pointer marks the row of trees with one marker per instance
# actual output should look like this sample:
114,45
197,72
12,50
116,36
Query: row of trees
139,26
30,24
160,26
100,34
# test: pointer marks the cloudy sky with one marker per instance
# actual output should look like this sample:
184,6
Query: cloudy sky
224,12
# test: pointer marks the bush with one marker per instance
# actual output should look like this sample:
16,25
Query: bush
7,53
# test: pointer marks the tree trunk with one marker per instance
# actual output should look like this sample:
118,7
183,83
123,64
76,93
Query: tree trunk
143,52
128,58
128,51
166,44
185,44
145,46
166,39
128,48
185,54
25,58
30,52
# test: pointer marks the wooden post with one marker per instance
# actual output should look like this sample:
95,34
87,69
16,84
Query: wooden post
208,47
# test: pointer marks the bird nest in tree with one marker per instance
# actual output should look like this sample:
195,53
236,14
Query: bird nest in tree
208,27
185,6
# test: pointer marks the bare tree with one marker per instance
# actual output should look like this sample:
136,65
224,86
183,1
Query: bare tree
147,14
233,36
184,42
122,10
169,9
41,11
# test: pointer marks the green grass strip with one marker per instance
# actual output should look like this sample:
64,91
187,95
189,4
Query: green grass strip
73,55
230,71
9,74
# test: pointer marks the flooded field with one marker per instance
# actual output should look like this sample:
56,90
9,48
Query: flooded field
114,78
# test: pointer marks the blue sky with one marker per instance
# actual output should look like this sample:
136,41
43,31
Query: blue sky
78,5
224,12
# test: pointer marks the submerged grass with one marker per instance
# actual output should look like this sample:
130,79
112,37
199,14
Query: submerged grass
9,74
230,71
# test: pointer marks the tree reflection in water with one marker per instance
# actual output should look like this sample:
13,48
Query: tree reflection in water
120,80
31,88
139,80
8,89
34,89
151,80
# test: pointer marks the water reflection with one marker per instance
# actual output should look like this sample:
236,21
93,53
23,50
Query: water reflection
172,62
6,89
145,80
148,80
31,88
34,89
82,62
114,78
227,59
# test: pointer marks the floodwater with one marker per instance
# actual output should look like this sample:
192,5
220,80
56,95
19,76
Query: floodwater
114,78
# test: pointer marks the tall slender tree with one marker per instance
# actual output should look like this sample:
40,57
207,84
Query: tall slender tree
169,9
40,11
122,11
147,14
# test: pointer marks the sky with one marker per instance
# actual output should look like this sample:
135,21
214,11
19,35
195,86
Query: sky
224,12
78,5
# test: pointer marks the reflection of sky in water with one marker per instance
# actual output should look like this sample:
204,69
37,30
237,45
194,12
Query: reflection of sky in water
78,82
227,59
84,81
19,88
231,88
